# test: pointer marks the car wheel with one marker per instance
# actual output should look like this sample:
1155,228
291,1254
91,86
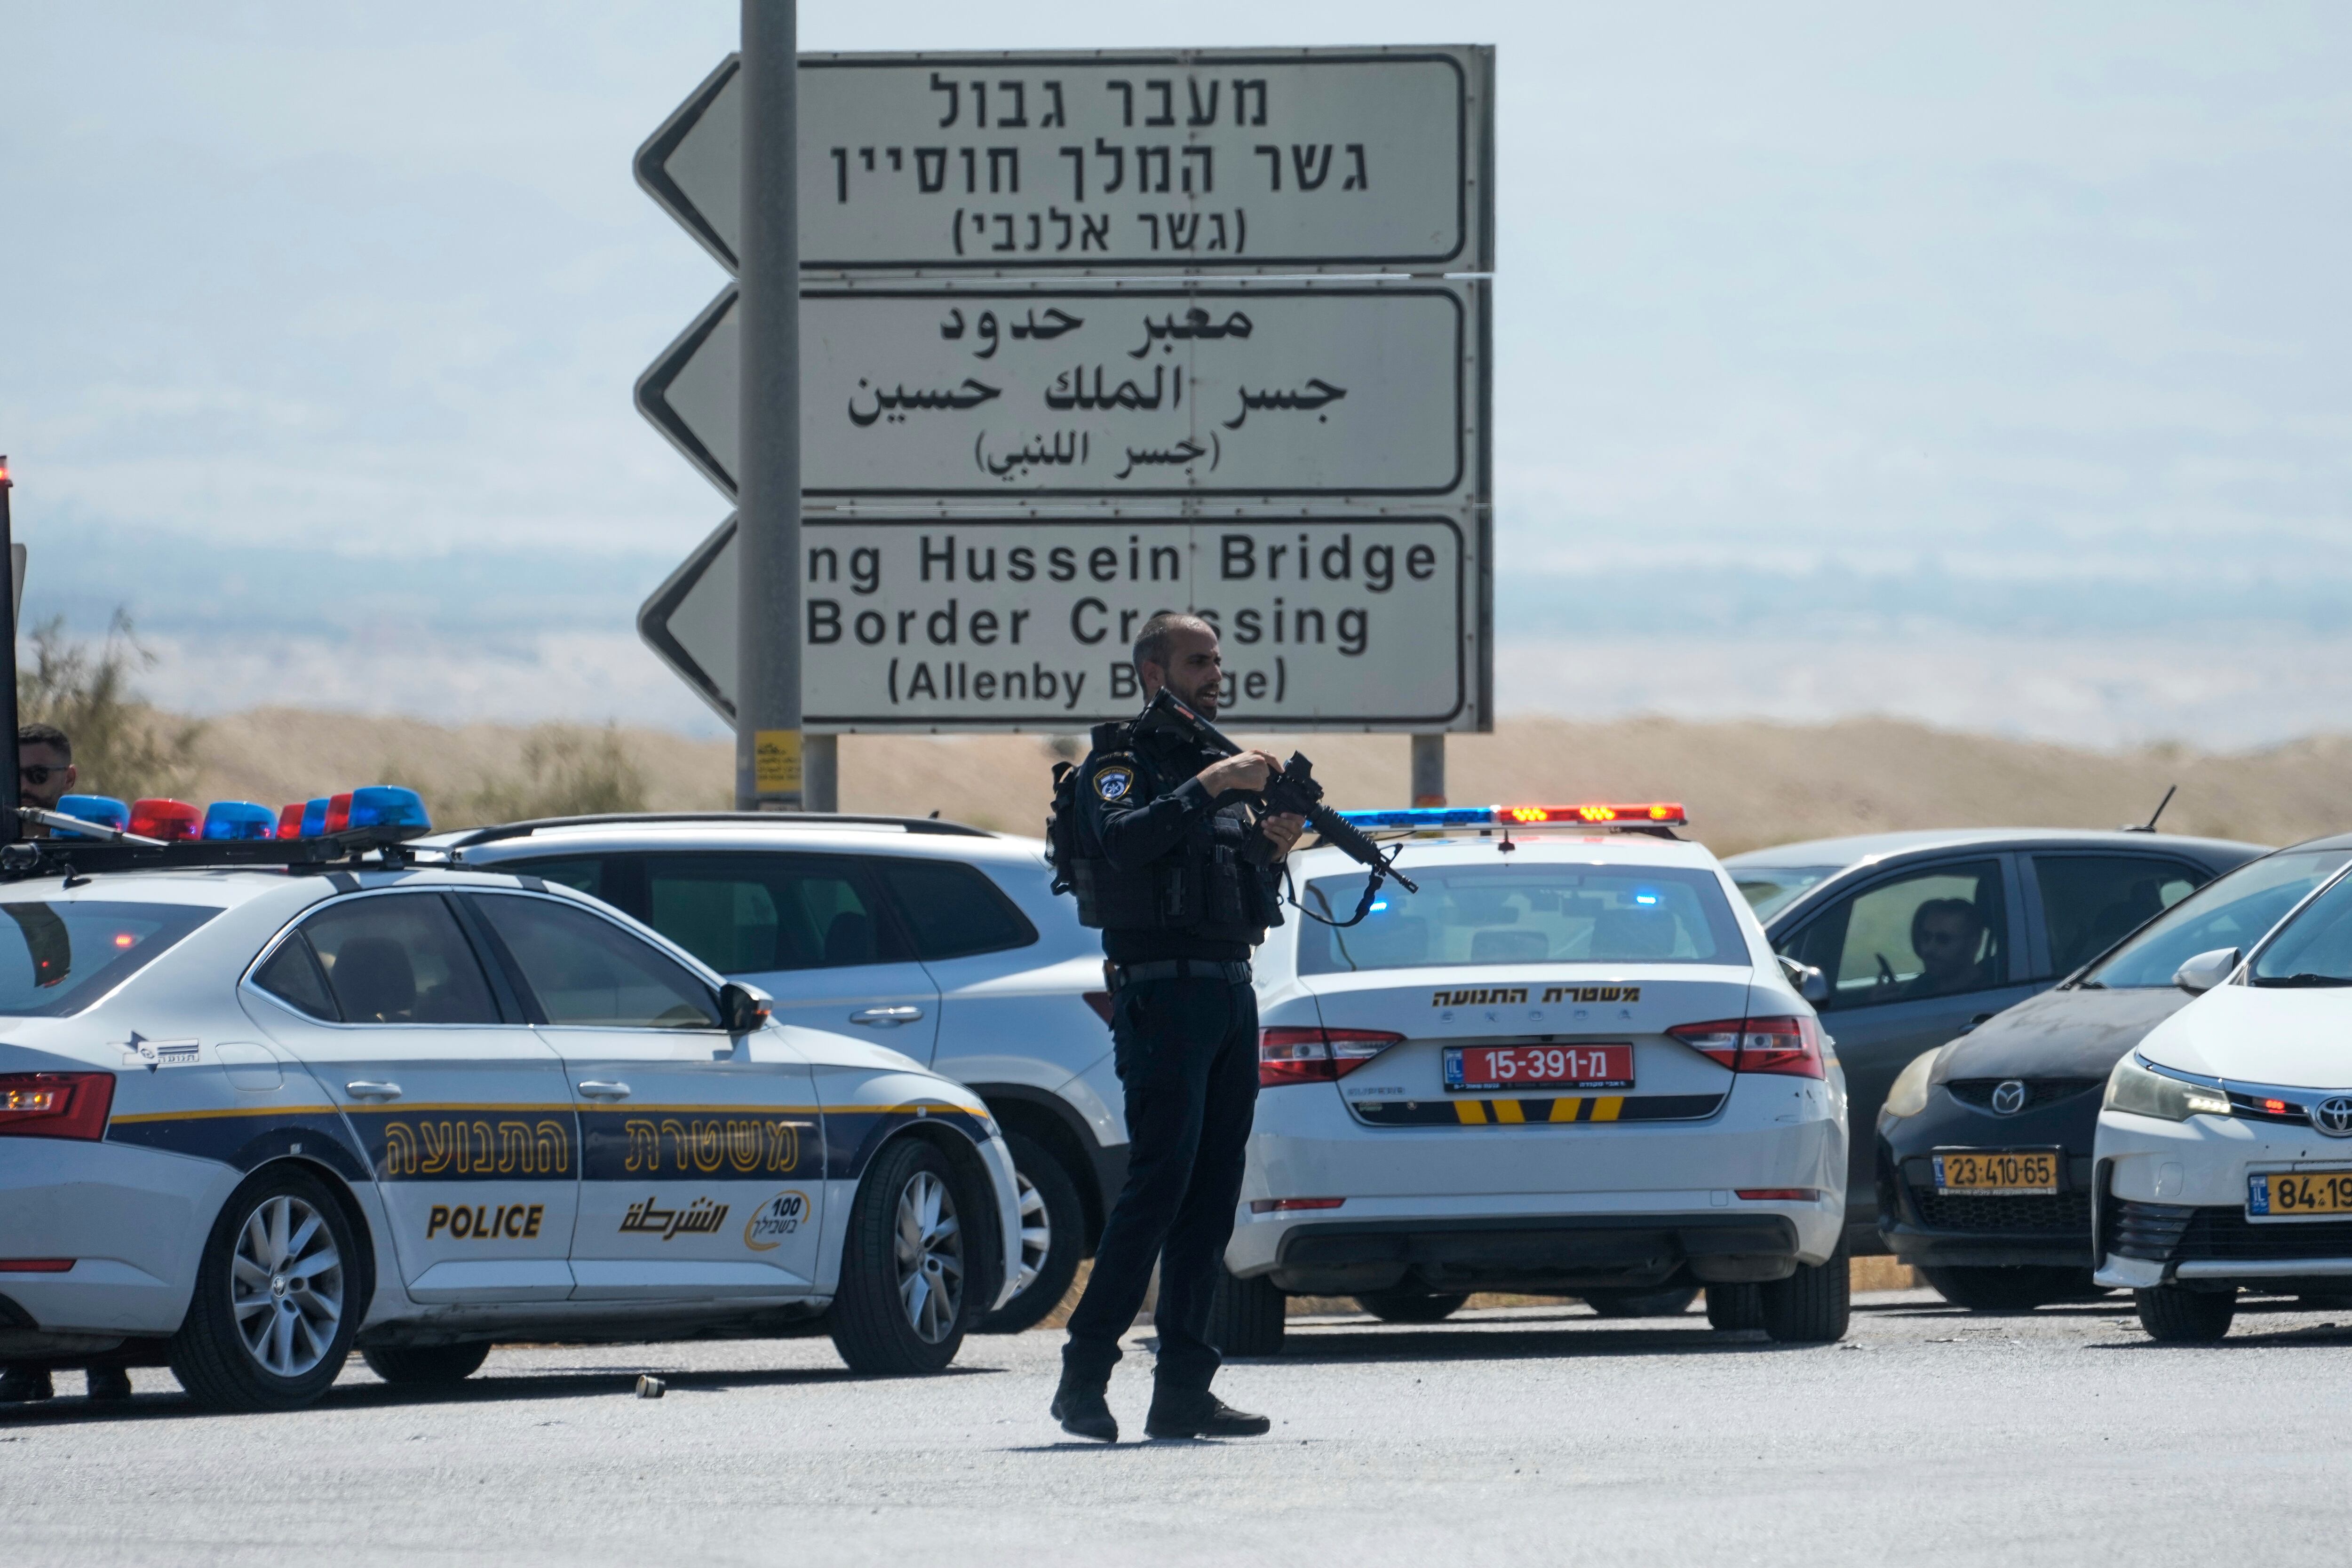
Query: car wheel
2012,1289
1734,1308
2174,1316
1668,1303
1812,1305
1053,1231
903,1307
1245,1316
1409,1306
277,1299
427,1364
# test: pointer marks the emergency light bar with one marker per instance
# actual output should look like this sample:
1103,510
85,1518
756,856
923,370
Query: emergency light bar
96,832
1422,819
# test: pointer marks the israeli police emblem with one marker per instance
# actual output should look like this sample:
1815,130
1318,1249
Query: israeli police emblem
1113,783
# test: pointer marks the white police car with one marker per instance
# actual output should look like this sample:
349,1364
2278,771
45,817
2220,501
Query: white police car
1569,1063
264,1103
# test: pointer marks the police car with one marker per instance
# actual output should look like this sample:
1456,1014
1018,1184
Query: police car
264,1101
1568,1063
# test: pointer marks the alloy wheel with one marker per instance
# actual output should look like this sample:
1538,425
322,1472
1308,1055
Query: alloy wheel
1037,1232
286,1286
929,1248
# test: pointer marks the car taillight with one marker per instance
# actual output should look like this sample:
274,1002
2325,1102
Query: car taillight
54,1104
1316,1055
1784,1045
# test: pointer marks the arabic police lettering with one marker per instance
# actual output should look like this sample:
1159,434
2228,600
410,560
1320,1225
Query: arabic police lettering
486,1222
1592,993
774,1220
421,1148
1491,997
701,1218
708,1146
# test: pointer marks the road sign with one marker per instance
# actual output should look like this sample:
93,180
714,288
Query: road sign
1229,161
1236,389
1366,622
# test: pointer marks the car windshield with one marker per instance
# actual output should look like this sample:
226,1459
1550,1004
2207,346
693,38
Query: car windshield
1769,889
2231,911
2315,949
1531,913
57,958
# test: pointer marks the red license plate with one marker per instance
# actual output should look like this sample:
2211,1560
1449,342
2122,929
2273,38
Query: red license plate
1539,1067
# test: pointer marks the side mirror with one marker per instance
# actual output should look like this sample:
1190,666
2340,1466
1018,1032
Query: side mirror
741,1008
2206,970
1810,983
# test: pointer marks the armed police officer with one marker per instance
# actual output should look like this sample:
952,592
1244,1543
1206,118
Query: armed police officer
1170,858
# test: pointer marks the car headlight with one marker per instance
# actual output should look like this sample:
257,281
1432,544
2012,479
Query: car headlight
1909,1095
2135,1087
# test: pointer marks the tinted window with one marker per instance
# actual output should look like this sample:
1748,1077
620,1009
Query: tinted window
57,958
399,959
2231,911
951,910
293,976
585,874
1769,889
2315,949
583,969
742,914
1935,933
1532,914
2092,901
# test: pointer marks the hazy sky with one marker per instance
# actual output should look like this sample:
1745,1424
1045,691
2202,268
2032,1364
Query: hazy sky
1985,364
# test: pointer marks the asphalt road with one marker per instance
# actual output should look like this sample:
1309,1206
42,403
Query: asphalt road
1535,1434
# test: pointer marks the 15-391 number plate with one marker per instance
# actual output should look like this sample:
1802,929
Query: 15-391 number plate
1539,1067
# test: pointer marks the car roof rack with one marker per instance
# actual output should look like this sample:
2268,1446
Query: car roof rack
473,836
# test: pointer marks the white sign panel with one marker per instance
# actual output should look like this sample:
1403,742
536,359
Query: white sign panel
1342,160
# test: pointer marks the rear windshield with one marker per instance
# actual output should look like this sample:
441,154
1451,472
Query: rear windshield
57,958
2231,911
1536,912
1769,889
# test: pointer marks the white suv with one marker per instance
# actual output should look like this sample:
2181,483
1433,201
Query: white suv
941,941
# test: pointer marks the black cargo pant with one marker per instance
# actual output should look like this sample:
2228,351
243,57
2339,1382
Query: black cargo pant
1188,1059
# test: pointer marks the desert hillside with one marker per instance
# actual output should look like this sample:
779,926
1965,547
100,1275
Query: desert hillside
1746,784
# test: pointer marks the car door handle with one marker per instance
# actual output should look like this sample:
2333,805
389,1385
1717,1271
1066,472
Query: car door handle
594,1088
885,1018
365,1089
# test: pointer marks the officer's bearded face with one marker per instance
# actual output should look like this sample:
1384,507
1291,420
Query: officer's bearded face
1194,671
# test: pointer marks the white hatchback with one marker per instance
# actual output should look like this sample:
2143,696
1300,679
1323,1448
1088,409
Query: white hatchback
2224,1152
1566,1066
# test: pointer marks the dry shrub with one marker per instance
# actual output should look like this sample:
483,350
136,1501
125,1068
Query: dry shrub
567,771
121,744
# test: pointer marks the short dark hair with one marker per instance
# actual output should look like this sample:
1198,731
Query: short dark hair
1942,908
45,735
1152,643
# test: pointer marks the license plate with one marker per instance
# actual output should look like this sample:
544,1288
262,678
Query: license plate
1998,1172
2290,1194
1539,1067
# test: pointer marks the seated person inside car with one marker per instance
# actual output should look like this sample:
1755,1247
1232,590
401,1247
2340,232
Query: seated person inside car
1948,936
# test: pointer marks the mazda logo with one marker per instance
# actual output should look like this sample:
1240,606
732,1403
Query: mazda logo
2333,1115
2010,1098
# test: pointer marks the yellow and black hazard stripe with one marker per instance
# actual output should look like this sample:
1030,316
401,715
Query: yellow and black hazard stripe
1521,1113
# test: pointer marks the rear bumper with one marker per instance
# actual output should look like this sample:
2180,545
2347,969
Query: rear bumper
132,1220
1536,1253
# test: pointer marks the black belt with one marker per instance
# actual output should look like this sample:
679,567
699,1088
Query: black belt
1232,973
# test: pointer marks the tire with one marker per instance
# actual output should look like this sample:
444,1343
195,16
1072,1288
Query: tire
1734,1308
1245,1316
2174,1316
2012,1289
1053,1233
1410,1306
1810,1306
277,1297
903,1307
1666,1303
427,1364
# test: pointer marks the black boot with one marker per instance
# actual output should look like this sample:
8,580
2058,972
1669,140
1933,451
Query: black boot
1197,1413
109,1383
1078,1403
24,1385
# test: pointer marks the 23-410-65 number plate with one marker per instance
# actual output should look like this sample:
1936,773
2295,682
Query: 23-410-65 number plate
1539,1067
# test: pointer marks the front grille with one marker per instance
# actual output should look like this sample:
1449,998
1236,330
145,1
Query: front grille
2226,1233
2148,1231
2039,1091
1984,1213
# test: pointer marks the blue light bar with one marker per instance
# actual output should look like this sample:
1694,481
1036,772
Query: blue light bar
104,809
389,806
314,817
1410,817
238,820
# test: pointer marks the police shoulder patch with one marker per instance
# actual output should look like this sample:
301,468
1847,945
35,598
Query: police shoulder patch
1114,781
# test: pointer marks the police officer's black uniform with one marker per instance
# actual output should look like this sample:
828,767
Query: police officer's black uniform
1182,887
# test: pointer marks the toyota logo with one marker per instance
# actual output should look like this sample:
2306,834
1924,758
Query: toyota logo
2010,1099
2333,1115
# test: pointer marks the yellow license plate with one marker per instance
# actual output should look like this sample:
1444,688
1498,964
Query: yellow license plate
2290,1194
1998,1172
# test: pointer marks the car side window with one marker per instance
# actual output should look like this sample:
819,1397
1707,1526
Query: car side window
399,959
1937,932
583,874
951,910
744,913
584,970
293,976
2092,901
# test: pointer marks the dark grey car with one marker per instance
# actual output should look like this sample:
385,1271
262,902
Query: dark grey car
1921,935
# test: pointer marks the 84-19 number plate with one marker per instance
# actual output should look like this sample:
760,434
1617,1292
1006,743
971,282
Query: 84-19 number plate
2292,1195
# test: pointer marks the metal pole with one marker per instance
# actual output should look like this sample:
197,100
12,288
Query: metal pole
11,828
768,475
821,773
1429,769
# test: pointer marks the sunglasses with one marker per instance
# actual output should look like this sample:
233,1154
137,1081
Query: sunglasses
38,773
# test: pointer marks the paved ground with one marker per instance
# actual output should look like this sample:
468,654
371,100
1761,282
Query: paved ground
1535,1434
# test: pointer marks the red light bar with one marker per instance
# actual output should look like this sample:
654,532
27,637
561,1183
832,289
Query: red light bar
289,821
1666,812
159,818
